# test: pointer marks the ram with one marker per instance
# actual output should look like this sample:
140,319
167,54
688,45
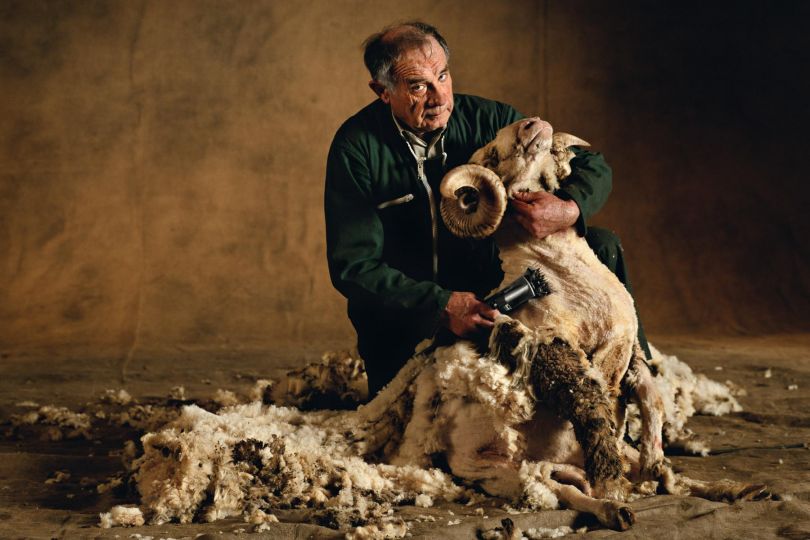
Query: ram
575,350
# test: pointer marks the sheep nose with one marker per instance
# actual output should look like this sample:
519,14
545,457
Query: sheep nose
535,123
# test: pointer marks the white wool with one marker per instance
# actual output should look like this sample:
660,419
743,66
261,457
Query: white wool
391,529
178,393
117,397
685,394
26,403
259,388
257,516
225,398
535,493
107,486
193,455
144,417
338,380
121,516
461,372
58,477
713,398
536,533
423,501
61,422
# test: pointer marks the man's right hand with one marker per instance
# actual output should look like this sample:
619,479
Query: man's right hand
465,314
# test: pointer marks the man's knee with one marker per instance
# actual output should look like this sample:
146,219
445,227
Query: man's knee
606,245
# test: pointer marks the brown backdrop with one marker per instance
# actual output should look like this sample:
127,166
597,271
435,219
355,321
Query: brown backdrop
161,163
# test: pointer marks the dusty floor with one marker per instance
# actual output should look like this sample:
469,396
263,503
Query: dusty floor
766,443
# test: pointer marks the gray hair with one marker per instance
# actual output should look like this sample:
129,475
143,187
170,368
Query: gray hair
383,49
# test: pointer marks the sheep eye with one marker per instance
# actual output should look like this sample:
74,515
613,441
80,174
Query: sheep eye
492,158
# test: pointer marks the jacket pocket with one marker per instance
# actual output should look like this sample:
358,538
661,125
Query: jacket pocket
394,202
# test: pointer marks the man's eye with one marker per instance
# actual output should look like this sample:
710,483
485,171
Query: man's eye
443,77
418,88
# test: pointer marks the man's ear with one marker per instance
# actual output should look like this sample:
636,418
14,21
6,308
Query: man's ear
380,90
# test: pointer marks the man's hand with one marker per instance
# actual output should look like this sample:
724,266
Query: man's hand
465,314
542,213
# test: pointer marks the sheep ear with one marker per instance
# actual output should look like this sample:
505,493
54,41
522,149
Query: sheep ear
564,140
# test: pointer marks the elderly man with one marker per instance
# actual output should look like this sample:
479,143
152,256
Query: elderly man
389,254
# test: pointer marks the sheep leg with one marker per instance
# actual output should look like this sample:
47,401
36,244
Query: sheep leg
563,382
678,484
572,475
723,490
667,480
612,514
638,384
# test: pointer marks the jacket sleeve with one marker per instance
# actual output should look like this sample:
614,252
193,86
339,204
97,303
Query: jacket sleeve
354,243
588,185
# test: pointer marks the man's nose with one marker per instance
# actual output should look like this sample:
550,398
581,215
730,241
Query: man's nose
438,97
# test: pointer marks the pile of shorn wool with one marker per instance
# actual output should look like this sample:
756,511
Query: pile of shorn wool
232,456
257,457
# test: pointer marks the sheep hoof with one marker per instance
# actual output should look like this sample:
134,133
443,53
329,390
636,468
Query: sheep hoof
651,464
754,492
618,517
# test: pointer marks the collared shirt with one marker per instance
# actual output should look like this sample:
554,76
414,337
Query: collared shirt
422,149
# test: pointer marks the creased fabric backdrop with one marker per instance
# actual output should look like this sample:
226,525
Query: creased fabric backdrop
161,163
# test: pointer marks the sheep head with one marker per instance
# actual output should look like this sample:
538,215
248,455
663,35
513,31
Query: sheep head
524,156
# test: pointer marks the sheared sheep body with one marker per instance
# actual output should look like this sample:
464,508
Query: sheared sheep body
582,335
576,349
589,308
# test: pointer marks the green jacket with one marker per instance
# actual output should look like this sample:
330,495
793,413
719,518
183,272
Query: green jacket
388,251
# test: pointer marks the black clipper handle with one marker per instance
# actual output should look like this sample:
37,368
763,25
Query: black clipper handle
532,284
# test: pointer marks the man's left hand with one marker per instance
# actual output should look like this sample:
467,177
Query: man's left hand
542,213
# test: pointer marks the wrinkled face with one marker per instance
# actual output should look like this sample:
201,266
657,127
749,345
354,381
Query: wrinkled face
519,154
422,97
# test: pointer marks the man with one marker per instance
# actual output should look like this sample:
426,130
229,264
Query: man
389,254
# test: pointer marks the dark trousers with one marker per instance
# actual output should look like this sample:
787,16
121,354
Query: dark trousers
382,364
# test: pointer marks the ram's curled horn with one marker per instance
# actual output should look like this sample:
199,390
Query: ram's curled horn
473,201
564,140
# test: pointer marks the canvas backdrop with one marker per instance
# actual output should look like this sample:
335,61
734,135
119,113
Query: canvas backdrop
162,163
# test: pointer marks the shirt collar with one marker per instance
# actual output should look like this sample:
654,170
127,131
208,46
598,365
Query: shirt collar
414,139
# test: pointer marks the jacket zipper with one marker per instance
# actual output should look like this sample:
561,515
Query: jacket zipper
420,166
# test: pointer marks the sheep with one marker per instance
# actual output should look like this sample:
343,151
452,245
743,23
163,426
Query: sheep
538,419
585,332
576,349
